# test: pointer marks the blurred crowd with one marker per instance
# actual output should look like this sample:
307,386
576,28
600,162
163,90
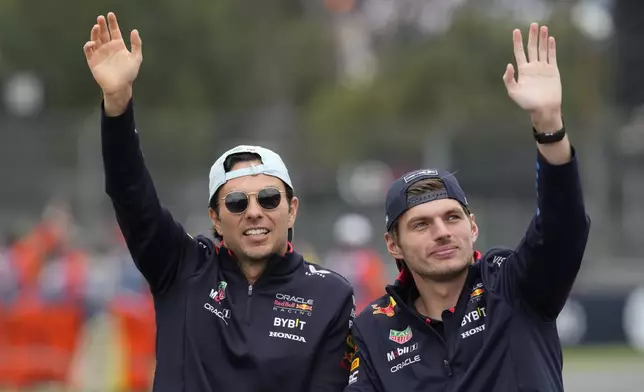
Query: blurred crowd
74,318
51,290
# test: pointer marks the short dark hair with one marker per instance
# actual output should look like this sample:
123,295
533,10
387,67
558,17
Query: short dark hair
229,163
419,188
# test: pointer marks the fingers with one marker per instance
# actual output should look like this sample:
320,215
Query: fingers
94,35
137,44
541,47
532,42
508,77
543,44
552,51
519,53
115,32
103,32
88,48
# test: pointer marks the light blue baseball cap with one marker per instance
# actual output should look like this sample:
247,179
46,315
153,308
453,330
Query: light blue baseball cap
272,165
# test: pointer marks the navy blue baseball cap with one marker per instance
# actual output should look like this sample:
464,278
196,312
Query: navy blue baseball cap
397,202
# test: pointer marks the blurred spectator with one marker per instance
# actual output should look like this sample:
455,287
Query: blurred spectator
132,310
355,260
8,274
44,318
306,249
119,342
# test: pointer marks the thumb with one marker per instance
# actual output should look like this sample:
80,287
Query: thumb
137,44
508,77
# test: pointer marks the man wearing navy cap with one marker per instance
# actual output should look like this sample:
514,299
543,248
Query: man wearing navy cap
249,315
456,320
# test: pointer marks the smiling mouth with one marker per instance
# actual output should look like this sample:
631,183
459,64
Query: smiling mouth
256,231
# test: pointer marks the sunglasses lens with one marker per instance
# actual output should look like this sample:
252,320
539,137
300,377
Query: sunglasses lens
236,202
269,198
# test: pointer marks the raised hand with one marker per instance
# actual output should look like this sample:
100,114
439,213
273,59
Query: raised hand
537,89
113,66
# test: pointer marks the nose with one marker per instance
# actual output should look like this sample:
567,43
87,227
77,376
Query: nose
254,210
441,231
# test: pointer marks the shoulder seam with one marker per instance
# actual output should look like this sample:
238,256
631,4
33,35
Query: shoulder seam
308,265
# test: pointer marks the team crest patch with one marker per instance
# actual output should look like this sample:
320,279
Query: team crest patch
401,337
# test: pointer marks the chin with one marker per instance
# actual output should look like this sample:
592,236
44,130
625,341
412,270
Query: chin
445,270
444,275
260,252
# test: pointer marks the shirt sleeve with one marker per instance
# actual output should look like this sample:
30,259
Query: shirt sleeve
154,239
543,267
331,368
362,376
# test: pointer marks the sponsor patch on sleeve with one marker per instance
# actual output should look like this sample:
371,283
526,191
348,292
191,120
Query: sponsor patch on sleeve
353,377
349,352
355,364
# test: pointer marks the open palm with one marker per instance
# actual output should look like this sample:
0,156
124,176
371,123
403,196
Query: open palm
113,66
538,86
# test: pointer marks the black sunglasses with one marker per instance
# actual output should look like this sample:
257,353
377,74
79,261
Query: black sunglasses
268,198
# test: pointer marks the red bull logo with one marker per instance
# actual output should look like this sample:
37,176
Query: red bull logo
305,307
388,310
285,304
292,307
477,292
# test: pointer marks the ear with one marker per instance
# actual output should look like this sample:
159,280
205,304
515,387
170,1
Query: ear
292,213
393,248
475,228
216,222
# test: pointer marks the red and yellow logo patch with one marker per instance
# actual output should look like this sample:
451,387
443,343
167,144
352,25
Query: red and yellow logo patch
477,292
388,310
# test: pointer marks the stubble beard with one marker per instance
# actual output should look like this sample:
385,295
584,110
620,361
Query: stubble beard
441,274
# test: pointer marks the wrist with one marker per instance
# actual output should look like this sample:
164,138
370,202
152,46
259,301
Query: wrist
115,103
547,122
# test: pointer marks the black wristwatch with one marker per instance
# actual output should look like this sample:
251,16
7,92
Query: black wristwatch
549,137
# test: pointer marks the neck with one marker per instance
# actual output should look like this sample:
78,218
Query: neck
252,269
435,297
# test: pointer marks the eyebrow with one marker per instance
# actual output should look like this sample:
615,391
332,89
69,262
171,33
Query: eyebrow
456,211
451,211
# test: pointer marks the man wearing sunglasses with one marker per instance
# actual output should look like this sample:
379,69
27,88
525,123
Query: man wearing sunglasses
459,321
248,315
